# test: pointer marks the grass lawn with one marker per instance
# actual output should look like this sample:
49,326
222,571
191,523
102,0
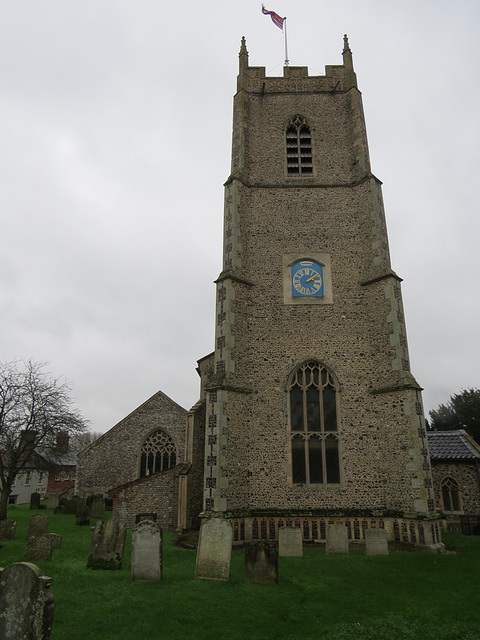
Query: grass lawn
415,595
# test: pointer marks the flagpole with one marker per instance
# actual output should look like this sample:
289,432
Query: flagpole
285,32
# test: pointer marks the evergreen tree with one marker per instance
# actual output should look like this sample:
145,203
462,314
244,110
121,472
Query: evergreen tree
461,412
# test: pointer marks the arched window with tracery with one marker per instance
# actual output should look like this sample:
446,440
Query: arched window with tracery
158,453
451,495
299,147
314,437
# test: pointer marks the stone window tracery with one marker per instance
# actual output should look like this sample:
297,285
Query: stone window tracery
158,453
299,147
314,437
451,495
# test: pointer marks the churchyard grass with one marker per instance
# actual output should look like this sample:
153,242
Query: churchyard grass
405,595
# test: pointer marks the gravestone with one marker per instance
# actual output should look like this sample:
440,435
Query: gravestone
82,516
107,546
145,516
35,500
38,526
376,542
8,528
261,562
146,551
52,501
56,540
71,505
38,549
59,509
26,603
337,539
97,507
290,542
214,549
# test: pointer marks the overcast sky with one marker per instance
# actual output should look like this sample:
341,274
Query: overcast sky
115,136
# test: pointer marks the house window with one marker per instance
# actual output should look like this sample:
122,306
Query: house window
451,495
314,426
158,453
299,147
28,477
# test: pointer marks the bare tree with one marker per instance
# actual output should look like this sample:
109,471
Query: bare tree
35,411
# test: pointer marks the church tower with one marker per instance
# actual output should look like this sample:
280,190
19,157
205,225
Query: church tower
312,413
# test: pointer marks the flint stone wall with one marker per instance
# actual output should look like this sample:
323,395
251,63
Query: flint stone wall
114,459
154,494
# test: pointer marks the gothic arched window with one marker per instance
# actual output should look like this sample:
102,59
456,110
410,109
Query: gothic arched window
299,147
158,453
451,495
314,426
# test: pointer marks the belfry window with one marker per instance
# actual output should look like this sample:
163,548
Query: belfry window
158,453
314,426
451,495
299,148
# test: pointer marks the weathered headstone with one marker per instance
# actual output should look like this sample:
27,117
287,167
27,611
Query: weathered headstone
290,542
376,542
56,540
146,551
38,549
26,603
52,501
38,526
261,562
97,507
35,499
82,516
107,546
71,505
337,539
214,549
8,529
59,509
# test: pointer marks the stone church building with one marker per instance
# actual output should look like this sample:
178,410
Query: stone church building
308,411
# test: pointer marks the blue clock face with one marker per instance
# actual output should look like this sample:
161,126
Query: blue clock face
307,279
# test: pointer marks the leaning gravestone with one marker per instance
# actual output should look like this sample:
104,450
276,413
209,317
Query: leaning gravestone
290,542
107,546
8,529
146,551
337,539
38,549
26,603
261,562
35,501
376,542
52,501
38,526
214,549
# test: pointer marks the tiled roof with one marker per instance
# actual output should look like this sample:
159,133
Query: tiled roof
452,445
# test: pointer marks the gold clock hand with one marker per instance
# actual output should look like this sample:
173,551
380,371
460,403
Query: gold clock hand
312,278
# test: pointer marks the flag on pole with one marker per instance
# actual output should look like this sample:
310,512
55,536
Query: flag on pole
276,19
